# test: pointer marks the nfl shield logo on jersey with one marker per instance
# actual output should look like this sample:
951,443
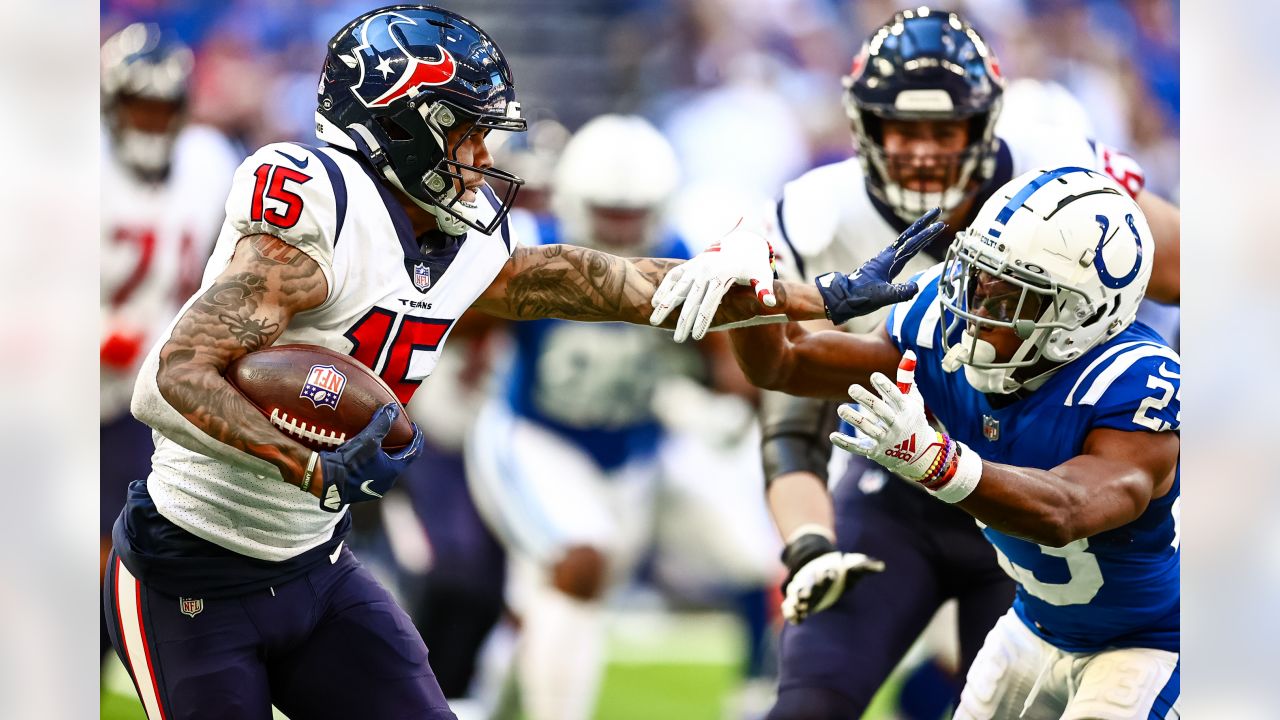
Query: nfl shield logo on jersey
324,386
191,607
421,277
990,428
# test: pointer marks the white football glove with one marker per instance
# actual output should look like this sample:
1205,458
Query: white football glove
743,257
896,434
819,575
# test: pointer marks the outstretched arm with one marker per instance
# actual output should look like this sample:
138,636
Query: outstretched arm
823,364
576,283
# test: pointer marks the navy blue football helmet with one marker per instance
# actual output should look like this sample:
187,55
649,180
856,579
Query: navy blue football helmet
396,81
145,72
924,65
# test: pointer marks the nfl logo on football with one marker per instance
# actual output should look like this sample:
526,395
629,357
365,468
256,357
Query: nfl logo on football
191,607
421,277
324,386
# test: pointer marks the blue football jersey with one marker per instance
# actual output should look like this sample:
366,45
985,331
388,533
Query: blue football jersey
1115,589
592,383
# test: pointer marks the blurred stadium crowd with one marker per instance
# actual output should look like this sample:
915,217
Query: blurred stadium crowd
710,75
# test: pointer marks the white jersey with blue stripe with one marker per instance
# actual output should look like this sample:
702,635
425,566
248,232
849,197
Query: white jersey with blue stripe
392,302
1118,588
592,383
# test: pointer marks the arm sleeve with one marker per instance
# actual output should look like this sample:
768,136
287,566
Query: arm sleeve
794,434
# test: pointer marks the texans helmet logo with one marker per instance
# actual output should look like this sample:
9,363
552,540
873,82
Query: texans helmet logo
389,70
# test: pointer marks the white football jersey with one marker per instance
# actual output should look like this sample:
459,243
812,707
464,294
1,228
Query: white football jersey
826,220
155,240
390,305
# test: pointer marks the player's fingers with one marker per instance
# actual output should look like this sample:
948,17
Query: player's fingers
907,372
889,392
764,291
871,401
707,308
689,312
852,444
380,424
905,250
861,563
413,448
867,423
670,294
920,222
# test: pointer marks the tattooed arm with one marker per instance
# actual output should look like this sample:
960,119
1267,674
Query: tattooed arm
577,283
245,309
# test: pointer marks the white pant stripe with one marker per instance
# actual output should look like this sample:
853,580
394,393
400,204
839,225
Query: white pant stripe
128,608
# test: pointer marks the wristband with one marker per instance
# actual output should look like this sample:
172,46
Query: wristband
311,469
967,471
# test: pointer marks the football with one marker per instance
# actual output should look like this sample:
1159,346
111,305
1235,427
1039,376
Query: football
316,396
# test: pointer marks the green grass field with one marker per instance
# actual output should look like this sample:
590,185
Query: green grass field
683,667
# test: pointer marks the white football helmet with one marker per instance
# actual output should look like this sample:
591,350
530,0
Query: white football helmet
614,163
1079,252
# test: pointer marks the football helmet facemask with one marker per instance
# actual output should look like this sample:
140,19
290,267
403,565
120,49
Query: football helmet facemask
924,65
1072,253
144,79
406,86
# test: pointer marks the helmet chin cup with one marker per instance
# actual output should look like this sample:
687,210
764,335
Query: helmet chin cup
990,381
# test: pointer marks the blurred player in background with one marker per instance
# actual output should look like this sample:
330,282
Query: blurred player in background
228,588
924,100
163,185
1061,414
564,464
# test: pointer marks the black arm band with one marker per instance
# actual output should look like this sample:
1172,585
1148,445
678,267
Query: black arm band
794,436
803,549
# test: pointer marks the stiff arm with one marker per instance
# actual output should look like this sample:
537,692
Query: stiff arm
568,282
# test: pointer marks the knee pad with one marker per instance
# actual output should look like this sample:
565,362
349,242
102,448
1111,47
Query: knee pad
580,573
810,703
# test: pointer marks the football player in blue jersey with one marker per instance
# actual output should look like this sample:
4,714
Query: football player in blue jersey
1061,417
925,101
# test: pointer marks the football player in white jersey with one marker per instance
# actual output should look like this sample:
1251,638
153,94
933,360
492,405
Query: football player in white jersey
923,97
228,587
163,184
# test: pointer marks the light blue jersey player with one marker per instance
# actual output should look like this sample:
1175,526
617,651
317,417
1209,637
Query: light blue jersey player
1061,419
563,462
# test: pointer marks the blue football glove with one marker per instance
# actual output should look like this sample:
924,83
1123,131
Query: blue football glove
868,289
360,470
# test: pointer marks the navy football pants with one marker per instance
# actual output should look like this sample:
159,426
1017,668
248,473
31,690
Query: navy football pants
331,643
833,663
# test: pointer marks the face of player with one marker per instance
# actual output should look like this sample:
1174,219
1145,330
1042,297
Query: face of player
469,149
997,299
924,155
147,115
621,228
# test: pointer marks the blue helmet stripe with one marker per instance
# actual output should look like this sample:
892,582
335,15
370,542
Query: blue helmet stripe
1027,191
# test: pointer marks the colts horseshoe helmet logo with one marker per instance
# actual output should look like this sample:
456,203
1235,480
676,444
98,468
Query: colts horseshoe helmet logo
389,70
